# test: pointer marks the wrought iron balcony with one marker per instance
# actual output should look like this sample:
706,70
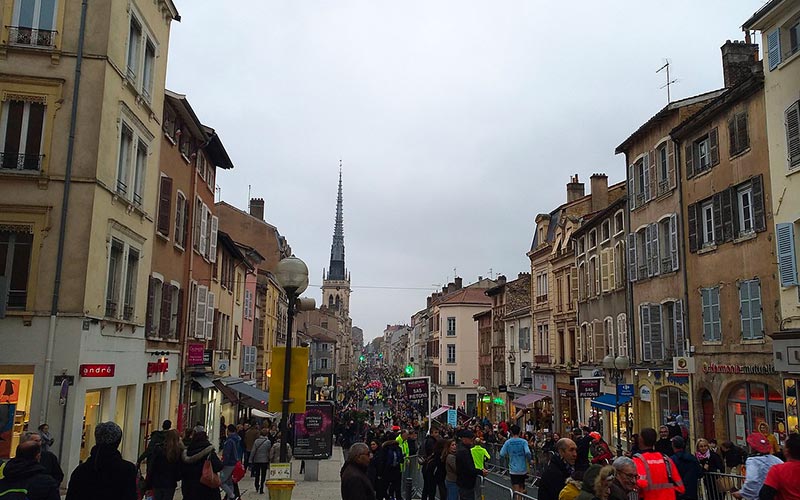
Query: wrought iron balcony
31,36
127,313
20,161
111,309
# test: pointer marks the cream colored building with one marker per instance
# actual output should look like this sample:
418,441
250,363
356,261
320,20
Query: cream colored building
98,328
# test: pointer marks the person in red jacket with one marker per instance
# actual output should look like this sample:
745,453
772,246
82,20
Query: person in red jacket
601,453
658,477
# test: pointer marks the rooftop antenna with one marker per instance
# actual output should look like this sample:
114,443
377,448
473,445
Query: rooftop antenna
248,198
219,192
669,82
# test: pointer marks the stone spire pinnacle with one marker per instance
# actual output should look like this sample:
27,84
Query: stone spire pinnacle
337,271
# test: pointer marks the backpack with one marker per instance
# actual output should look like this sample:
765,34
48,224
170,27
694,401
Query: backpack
395,457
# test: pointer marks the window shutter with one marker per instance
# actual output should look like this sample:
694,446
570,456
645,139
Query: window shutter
744,308
655,249
611,345
648,251
732,137
787,255
713,146
653,185
646,170
647,353
774,48
631,257
728,230
689,158
679,333
185,222
201,300
179,321
758,203
151,300
604,269
656,333
599,343
166,310
673,241
203,229
210,316
717,207
792,122
742,136
179,207
596,268
164,205
692,223
631,187
612,269
212,252
622,335
671,170
574,284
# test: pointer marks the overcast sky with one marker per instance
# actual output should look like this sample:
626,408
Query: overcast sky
456,121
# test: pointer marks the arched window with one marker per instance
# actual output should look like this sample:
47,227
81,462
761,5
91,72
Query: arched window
338,302
608,330
330,301
622,335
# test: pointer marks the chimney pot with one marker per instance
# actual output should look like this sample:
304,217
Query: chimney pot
257,208
599,183
739,61
459,283
575,189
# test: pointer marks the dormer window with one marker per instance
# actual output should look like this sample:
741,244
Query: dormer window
592,239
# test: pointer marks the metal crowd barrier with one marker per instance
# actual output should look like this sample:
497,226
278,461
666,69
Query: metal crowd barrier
492,490
719,486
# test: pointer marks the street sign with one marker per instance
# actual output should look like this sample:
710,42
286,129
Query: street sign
587,387
625,390
62,397
58,379
416,388
313,431
502,388
452,418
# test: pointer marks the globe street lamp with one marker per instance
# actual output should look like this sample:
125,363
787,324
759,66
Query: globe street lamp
292,274
616,368
481,391
319,383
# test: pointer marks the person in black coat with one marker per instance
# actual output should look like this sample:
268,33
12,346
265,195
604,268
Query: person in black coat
584,442
193,459
165,466
466,472
560,467
710,461
47,459
355,483
688,467
105,474
25,472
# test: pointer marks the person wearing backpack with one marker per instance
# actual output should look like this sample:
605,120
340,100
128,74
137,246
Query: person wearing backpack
193,459
392,462
25,479
165,466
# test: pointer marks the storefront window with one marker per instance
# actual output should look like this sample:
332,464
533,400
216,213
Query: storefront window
751,404
790,390
673,402
15,404
151,411
91,417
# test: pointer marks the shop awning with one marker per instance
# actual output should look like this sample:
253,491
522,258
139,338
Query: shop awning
238,391
608,402
440,411
262,414
203,381
528,399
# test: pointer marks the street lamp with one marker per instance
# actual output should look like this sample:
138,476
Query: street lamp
292,274
616,368
319,383
481,391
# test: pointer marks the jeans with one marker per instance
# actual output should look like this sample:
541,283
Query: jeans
260,473
452,490
163,493
227,482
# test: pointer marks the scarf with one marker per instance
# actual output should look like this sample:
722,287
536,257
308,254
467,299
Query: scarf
703,456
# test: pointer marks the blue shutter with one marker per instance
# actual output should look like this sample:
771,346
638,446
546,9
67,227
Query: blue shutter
774,48
787,258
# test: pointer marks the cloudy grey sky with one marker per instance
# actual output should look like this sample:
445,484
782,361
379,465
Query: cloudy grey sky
456,121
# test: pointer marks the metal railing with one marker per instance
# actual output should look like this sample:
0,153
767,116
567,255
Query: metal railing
719,486
31,36
20,161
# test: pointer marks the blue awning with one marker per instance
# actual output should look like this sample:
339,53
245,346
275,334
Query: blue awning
607,402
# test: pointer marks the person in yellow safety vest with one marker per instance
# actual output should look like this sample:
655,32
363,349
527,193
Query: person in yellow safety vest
402,440
479,454
658,477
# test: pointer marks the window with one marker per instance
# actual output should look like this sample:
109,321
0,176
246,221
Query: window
131,270
451,380
792,122
114,277
123,166
619,222
16,243
668,244
525,338
737,133
642,260
712,326
702,153
131,166
323,363
608,331
750,309
250,356
642,182
149,67
581,245
672,328
21,134
619,264
787,255
181,221
662,332
583,282
451,353
134,45
663,168
734,212
141,58
605,231
592,239
583,336
559,294
248,304
707,211
165,207
744,196
155,299
622,335
543,340
594,278
203,313
34,23
451,326
541,287
175,316
607,270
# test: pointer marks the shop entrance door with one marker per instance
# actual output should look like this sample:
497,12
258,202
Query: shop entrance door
709,431
91,417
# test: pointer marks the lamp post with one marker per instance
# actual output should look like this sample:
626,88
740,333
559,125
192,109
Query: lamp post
616,368
292,274
319,383
481,391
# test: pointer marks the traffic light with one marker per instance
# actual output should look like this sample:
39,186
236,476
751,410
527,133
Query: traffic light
361,358
409,370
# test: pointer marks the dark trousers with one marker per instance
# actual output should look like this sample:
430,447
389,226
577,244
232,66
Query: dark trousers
442,489
428,483
394,482
260,473
466,493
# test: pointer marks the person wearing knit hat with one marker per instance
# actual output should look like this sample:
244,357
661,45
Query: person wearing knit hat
756,466
105,474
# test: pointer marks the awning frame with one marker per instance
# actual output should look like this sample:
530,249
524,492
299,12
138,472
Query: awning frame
607,402
240,392
529,399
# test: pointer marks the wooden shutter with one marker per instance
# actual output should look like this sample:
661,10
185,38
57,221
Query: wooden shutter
599,338
151,302
717,208
201,302
787,256
166,310
653,175
689,158
648,251
212,242
671,170
164,205
179,322
203,229
792,122
742,135
631,257
612,269
185,222
596,267
727,199
673,241
744,308
179,207
732,146
678,328
713,146
759,214
656,333
604,274
655,249
774,48
644,316
631,186
210,316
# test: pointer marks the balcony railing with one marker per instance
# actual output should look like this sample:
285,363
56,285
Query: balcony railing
127,313
20,161
663,186
666,265
111,309
542,359
31,36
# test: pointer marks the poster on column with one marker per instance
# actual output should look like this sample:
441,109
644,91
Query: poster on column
9,397
313,431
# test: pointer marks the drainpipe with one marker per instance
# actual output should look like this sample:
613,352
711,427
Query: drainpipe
632,312
51,333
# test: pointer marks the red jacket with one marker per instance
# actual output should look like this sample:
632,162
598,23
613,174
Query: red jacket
654,480
601,453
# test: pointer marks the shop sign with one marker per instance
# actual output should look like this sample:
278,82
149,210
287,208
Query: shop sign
625,390
59,378
97,370
765,369
588,387
157,367
452,418
195,354
683,365
645,394
208,357
564,393
502,388
543,382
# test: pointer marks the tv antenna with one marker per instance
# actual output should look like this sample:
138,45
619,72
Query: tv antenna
669,82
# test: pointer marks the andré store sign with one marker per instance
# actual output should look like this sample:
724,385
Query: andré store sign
98,370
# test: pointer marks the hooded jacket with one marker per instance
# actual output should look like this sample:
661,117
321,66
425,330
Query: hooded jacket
554,478
690,470
157,438
22,473
589,478
466,472
571,490
105,474
193,459
230,451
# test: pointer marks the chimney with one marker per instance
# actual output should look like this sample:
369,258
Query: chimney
739,62
575,189
480,278
501,280
451,287
257,208
459,283
599,183
429,301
